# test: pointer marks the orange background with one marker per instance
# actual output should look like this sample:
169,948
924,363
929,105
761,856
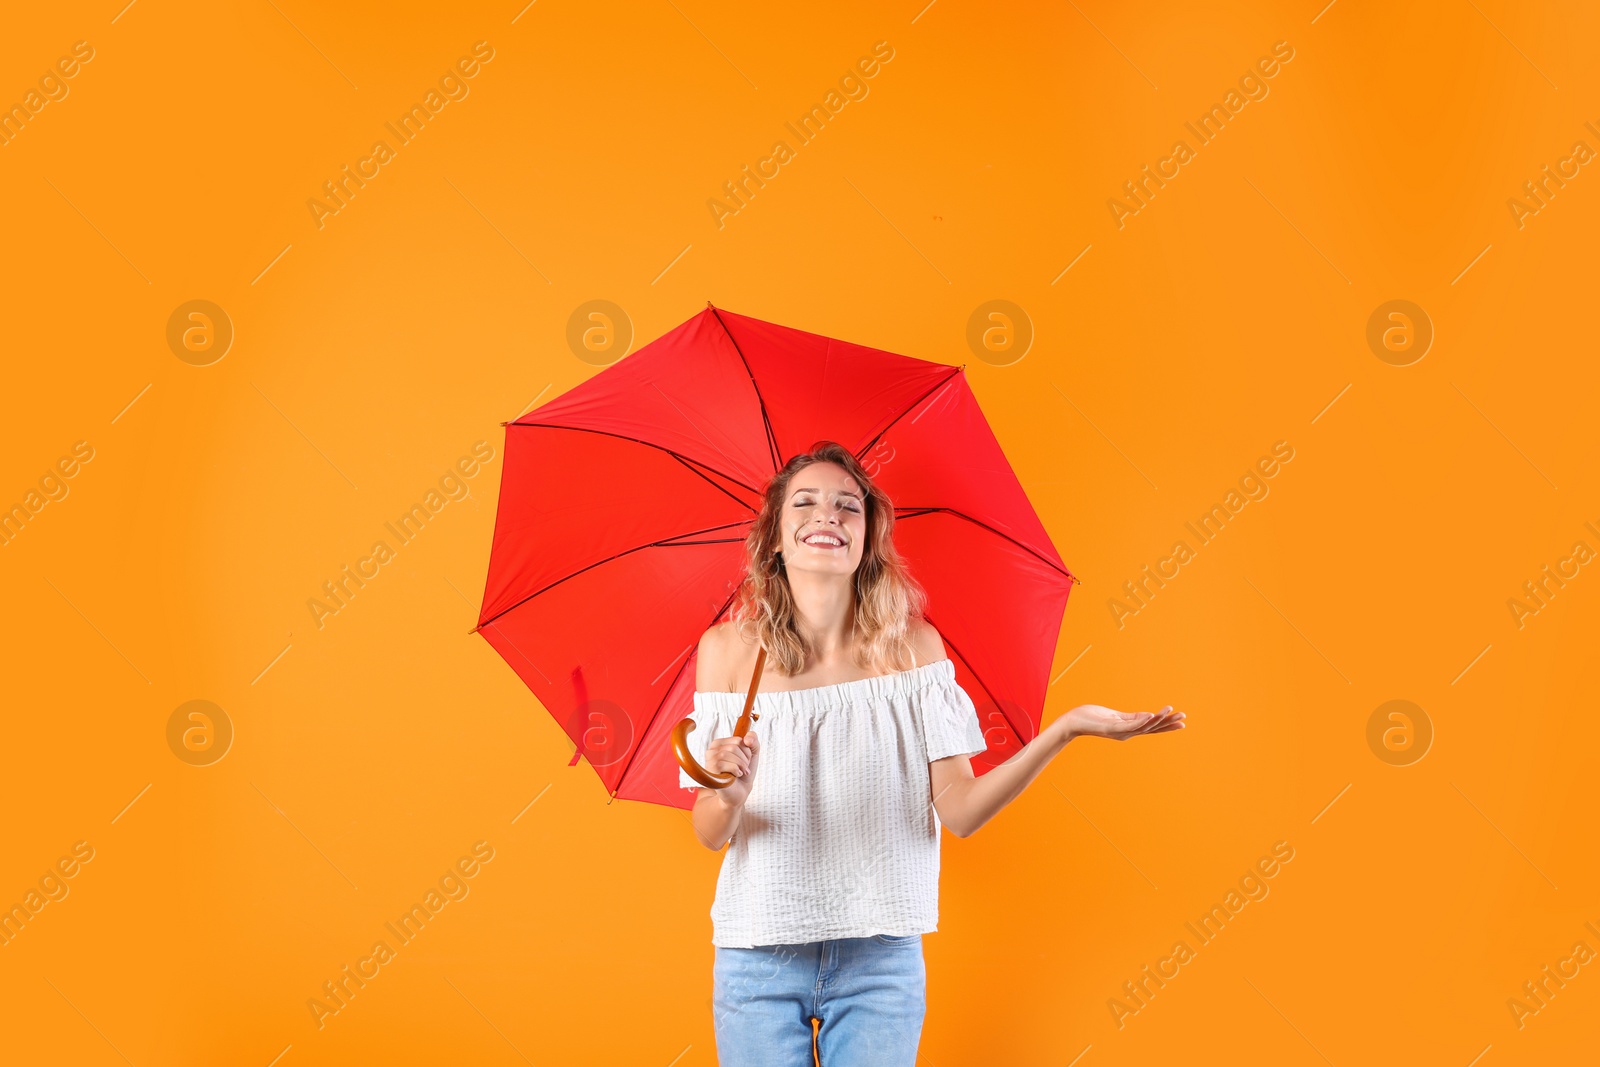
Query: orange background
1230,313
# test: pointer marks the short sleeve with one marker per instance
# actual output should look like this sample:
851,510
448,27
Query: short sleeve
950,724
710,723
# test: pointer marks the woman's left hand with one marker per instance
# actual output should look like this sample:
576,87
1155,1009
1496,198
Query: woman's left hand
1092,720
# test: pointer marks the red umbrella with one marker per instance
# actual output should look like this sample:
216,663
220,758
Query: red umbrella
624,505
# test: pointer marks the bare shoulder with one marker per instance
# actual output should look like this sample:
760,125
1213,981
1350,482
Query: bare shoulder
926,640
723,650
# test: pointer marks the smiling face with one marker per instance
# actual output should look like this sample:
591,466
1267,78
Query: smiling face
824,525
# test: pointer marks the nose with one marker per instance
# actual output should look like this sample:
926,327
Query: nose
829,517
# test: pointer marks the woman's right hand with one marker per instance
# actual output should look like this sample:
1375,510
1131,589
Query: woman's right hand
741,756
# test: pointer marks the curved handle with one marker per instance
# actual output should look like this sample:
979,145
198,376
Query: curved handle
680,736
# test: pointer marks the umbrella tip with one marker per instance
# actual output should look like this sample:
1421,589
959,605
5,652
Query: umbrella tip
709,304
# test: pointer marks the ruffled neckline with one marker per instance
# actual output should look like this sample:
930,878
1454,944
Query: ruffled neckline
882,685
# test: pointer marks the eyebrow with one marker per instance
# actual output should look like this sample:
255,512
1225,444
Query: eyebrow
842,492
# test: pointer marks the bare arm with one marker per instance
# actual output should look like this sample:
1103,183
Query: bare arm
714,819
965,803
717,812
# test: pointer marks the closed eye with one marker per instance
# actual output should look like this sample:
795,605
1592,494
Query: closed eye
851,504
847,499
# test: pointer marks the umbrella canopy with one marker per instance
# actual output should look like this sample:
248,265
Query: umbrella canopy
625,502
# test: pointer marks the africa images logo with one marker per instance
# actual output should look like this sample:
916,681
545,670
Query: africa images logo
1252,85
453,86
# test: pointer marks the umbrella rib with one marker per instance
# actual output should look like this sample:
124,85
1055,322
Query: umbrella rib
663,701
772,441
998,533
671,542
639,441
692,467
942,383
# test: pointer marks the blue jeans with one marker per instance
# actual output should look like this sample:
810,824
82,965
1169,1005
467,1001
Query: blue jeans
870,994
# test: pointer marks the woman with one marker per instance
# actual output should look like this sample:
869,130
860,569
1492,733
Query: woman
832,872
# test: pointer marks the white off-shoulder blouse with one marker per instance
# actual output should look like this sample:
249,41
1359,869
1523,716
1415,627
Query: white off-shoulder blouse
839,836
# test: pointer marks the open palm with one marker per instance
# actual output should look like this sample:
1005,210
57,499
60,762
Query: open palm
1092,720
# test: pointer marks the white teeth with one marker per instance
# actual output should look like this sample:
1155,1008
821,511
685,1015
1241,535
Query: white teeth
823,539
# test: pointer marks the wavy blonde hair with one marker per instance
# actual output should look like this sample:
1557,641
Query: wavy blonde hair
887,598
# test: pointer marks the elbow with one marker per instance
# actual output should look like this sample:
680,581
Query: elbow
954,818
948,821
959,828
707,840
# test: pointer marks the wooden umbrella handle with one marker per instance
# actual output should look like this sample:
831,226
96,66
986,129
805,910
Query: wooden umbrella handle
680,736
